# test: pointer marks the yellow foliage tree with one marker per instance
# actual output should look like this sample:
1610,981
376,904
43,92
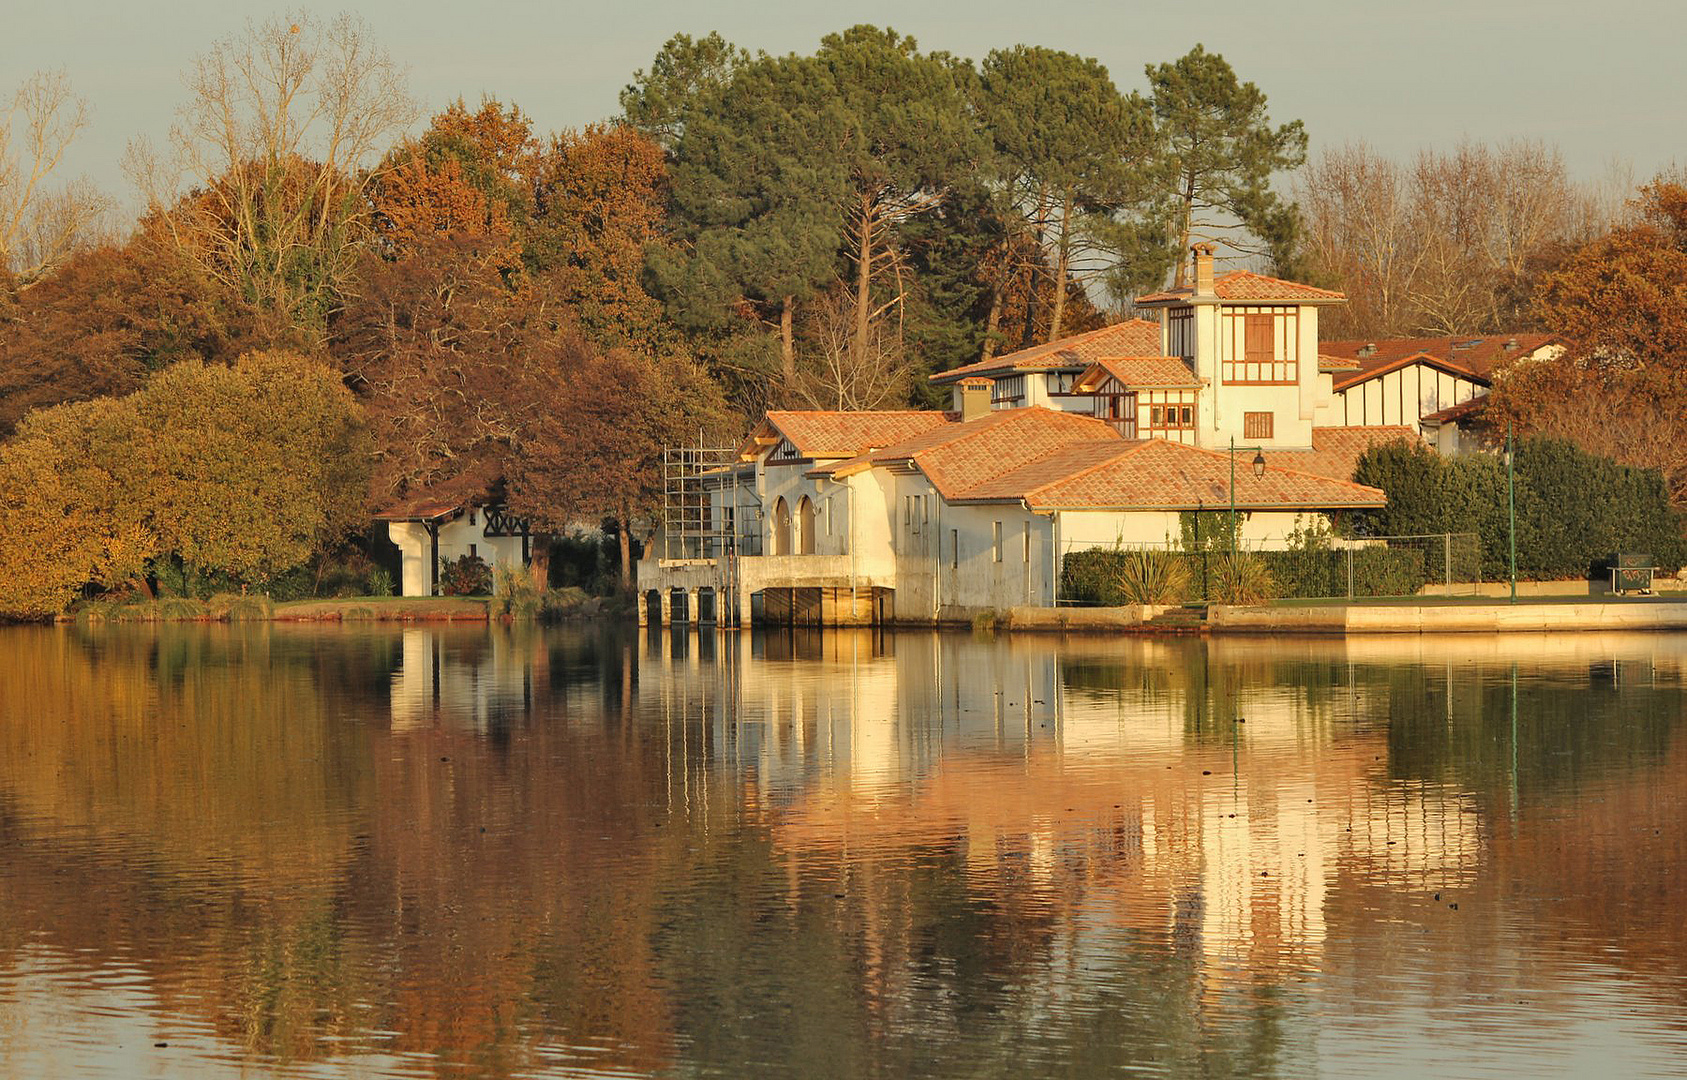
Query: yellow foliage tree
239,472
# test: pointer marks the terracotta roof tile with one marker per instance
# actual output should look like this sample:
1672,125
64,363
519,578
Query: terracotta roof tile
1141,373
1477,355
823,434
1336,450
1242,286
1158,474
1133,337
963,455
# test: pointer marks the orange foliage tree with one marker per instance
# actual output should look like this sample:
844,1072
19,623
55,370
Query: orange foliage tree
1620,389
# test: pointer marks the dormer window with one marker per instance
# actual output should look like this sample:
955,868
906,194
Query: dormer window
1259,345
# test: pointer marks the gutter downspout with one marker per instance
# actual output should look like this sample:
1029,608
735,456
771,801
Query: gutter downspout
937,561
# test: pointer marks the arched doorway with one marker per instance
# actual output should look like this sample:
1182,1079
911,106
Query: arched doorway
781,527
805,527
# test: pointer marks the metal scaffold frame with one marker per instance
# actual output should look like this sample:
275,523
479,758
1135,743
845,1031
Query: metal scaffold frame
689,528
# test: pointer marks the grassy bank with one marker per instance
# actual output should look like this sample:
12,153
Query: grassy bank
556,605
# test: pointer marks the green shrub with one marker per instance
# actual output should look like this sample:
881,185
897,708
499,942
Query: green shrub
562,603
1240,577
1159,578
380,582
1377,571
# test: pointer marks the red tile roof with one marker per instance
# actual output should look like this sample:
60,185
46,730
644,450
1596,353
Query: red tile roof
832,435
1476,354
1241,286
1133,337
1158,474
964,455
1140,373
1336,450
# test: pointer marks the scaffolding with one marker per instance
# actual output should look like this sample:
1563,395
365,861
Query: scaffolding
690,528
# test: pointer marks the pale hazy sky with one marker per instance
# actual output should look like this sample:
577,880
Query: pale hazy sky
1604,80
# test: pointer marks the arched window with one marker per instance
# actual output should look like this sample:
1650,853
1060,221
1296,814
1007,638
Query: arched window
781,539
805,527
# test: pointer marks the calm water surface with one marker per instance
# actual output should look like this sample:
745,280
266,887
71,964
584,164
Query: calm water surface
320,852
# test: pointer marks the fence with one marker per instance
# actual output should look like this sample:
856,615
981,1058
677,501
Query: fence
1323,568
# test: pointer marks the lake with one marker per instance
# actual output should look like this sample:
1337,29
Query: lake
369,852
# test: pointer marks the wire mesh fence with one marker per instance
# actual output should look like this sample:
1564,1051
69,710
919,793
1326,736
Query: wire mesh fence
1319,568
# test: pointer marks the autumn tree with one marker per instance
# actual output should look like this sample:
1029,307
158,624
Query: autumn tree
265,186
238,472
250,470
41,222
107,318
72,506
600,201
1220,153
1620,389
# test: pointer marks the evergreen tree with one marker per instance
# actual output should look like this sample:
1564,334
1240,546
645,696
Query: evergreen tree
1221,152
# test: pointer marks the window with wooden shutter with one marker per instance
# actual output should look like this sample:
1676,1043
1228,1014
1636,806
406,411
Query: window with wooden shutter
1257,425
1259,345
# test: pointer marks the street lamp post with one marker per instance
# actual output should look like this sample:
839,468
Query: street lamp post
1511,504
1259,471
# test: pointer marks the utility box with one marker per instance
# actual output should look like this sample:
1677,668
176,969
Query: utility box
1632,573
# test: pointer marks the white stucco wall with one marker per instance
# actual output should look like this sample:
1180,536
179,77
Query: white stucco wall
1400,397
464,535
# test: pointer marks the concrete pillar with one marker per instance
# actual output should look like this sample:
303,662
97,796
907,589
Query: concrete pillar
644,608
691,608
667,601
741,605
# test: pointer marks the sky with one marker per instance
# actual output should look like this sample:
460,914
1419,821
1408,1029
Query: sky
1601,81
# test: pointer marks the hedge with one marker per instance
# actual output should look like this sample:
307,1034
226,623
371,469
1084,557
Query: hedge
1574,510
1091,577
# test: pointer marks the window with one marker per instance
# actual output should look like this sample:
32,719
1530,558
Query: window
996,541
471,515
1187,414
1156,416
1060,382
1009,388
1171,417
1259,339
1119,410
1257,425
954,548
474,552
1259,345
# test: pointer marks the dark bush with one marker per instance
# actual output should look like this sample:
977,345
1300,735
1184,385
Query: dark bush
466,576
1574,510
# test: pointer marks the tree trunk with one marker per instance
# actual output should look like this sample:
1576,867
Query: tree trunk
1062,259
863,283
626,539
787,341
992,323
539,564
1185,222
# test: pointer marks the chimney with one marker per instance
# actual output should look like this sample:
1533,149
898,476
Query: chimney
975,397
1203,269
1510,345
1370,349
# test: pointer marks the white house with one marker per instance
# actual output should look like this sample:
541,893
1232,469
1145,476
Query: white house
1431,385
440,525
844,518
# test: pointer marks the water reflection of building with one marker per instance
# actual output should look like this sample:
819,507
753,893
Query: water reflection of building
475,680
1184,787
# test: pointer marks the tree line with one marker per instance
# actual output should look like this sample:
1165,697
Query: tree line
752,230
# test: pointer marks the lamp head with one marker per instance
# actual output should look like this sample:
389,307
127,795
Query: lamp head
1259,464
